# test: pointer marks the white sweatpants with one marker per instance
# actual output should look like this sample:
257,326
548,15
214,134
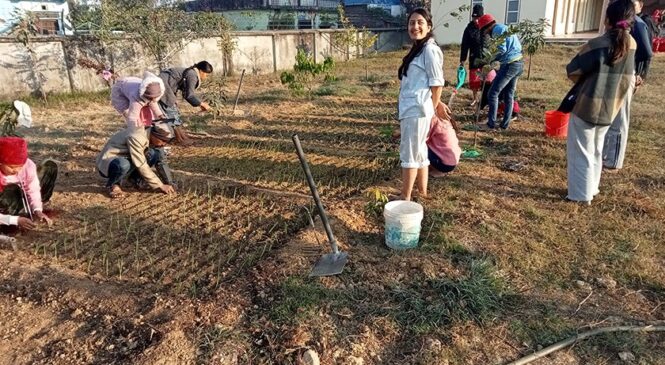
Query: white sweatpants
413,142
585,158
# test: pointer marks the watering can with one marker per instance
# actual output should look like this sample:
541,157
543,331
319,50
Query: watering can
461,77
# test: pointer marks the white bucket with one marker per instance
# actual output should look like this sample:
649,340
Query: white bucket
402,224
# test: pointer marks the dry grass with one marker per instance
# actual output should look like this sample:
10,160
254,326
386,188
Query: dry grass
501,251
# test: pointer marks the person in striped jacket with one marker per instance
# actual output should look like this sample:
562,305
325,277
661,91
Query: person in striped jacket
605,67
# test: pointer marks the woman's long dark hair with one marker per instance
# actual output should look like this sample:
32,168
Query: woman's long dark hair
203,66
620,15
417,45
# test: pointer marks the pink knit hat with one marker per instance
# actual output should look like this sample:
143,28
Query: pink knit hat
152,91
13,151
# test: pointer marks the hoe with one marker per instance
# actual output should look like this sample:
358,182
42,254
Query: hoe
330,263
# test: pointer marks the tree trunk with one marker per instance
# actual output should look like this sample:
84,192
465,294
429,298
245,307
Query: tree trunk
528,74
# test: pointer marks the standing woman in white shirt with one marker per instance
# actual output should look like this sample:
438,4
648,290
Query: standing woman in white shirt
421,75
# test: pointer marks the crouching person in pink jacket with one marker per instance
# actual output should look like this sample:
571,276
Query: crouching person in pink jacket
137,99
443,147
24,186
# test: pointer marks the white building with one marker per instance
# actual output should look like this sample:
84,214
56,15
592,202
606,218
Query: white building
566,16
52,15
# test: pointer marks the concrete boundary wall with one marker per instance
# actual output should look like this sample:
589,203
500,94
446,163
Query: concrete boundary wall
55,63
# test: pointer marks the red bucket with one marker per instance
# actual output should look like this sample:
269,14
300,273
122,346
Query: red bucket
556,124
658,44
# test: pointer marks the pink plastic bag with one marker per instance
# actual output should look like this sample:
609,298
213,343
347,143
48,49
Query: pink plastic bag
490,76
145,117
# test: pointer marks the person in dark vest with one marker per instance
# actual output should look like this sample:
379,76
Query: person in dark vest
186,80
472,46
649,20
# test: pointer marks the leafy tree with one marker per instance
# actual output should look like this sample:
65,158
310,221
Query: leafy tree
412,4
532,35
456,14
25,30
352,37
163,29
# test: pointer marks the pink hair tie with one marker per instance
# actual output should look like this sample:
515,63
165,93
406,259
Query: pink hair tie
622,24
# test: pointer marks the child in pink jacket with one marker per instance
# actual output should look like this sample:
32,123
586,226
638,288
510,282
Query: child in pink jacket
21,195
443,147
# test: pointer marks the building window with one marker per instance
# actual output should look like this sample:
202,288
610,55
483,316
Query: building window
512,11
47,26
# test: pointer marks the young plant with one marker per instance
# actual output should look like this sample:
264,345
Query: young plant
215,94
387,132
352,38
376,201
456,14
532,35
8,119
306,72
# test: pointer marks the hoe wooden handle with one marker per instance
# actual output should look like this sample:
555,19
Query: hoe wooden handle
315,194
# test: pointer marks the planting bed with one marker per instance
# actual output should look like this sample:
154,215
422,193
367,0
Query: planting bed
218,273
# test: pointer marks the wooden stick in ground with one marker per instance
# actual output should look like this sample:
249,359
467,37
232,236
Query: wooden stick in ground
242,76
480,102
569,341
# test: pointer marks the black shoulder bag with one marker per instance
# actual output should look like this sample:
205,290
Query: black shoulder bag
568,102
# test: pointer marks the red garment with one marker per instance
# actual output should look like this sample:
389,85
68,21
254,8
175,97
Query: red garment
13,151
516,107
475,81
658,44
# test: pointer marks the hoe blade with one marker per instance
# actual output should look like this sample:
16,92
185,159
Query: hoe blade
330,264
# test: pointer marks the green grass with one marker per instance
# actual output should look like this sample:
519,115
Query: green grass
605,348
76,97
541,331
436,303
338,89
210,338
299,299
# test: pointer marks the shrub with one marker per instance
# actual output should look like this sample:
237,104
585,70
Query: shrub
306,73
